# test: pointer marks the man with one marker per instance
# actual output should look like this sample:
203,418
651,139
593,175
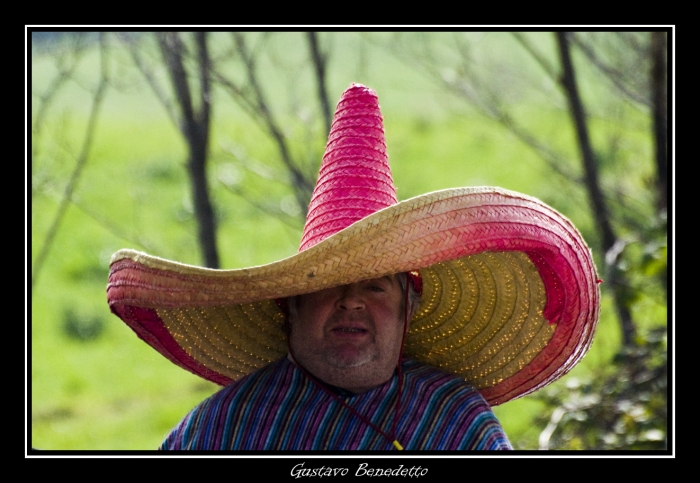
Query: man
395,326
344,348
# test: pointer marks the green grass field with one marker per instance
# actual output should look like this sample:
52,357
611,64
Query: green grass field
93,384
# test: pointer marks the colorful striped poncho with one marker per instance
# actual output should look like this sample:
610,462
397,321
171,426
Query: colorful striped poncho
280,408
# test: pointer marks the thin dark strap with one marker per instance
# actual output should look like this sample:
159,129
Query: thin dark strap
340,400
397,401
400,382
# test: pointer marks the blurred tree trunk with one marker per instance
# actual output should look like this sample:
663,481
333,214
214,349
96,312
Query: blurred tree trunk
320,60
616,278
194,125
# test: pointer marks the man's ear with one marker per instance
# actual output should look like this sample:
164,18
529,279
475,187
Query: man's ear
283,304
411,312
414,307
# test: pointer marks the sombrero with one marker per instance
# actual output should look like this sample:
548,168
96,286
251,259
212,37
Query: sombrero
510,298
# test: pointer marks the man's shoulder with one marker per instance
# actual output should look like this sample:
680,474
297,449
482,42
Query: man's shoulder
455,411
232,406
233,396
427,375
434,386
275,372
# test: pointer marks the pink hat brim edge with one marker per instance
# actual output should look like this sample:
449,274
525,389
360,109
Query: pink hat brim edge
573,336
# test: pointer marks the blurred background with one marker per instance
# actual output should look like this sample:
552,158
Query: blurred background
204,147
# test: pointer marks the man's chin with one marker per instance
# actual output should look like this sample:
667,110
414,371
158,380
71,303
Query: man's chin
349,360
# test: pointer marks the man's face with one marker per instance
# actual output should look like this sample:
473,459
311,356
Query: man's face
350,336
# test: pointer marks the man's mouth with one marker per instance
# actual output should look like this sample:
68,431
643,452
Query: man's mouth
350,331
350,326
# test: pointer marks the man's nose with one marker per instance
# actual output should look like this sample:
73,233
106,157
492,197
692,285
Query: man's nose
351,298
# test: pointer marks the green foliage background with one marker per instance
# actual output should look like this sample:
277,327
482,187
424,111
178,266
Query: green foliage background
93,385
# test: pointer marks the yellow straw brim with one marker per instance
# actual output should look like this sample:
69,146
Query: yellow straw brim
510,296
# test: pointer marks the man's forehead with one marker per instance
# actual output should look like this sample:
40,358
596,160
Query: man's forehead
390,278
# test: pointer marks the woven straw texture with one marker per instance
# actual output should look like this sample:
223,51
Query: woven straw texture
503,275
510,297
354,180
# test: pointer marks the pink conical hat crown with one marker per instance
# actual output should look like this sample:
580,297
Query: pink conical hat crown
355,179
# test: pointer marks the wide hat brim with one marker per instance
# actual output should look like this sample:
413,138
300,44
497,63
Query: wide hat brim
510,292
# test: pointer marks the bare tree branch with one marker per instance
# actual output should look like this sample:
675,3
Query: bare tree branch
478,95
252,99
541,59
320,61
618,197
659,113
289,217
267,208
301,184
66,67
195,129
493,110
597,201
66,63
204,79
171,48
80,163
464,82
134,239
150,78
611,73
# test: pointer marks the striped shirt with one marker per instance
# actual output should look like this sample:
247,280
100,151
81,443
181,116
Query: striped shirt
280,408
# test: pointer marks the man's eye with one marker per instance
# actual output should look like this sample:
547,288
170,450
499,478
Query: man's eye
376,288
